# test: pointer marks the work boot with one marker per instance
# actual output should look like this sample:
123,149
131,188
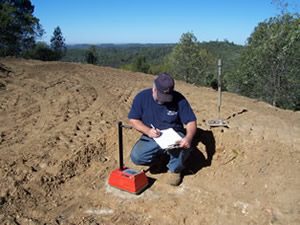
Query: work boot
173,179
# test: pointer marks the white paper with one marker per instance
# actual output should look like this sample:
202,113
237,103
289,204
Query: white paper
168,138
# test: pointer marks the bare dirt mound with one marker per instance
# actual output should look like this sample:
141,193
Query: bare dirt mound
58,144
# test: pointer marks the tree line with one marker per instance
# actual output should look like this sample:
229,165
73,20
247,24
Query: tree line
267,67
156,58
19,30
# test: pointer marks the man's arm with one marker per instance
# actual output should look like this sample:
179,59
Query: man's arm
141,127
191,128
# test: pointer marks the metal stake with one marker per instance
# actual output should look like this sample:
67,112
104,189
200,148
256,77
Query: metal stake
218,122
219,87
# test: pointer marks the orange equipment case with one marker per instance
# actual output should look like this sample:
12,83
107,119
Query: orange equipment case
125,178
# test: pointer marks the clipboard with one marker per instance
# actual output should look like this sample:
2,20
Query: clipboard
168,139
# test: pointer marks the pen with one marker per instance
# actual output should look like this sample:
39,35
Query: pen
156,130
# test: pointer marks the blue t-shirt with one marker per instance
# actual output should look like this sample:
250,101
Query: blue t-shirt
169,115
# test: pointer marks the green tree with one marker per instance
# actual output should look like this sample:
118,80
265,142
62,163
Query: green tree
189,61
43,52
18,27
91,56
58,43
270,66
140,65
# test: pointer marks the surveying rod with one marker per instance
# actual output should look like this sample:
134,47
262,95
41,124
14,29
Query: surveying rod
219,86
121,165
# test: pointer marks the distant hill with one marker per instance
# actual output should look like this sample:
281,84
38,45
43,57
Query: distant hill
227,51
118,55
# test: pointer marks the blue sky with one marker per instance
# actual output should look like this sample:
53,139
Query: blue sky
152,21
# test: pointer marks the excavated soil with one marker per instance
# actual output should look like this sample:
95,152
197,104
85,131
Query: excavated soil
59,143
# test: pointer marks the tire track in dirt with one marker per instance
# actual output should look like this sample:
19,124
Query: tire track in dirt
83,157
68,167
16,106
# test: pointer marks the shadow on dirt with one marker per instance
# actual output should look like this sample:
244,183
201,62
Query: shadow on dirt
197,160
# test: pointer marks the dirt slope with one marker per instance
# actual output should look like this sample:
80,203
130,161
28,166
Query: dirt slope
58,144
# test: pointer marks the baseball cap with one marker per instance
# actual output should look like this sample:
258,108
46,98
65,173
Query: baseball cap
165,86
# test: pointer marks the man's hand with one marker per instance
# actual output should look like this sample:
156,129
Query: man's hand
154,133
185,142
191,129
141,127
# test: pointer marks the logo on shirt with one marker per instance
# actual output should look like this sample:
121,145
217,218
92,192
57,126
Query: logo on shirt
171,113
